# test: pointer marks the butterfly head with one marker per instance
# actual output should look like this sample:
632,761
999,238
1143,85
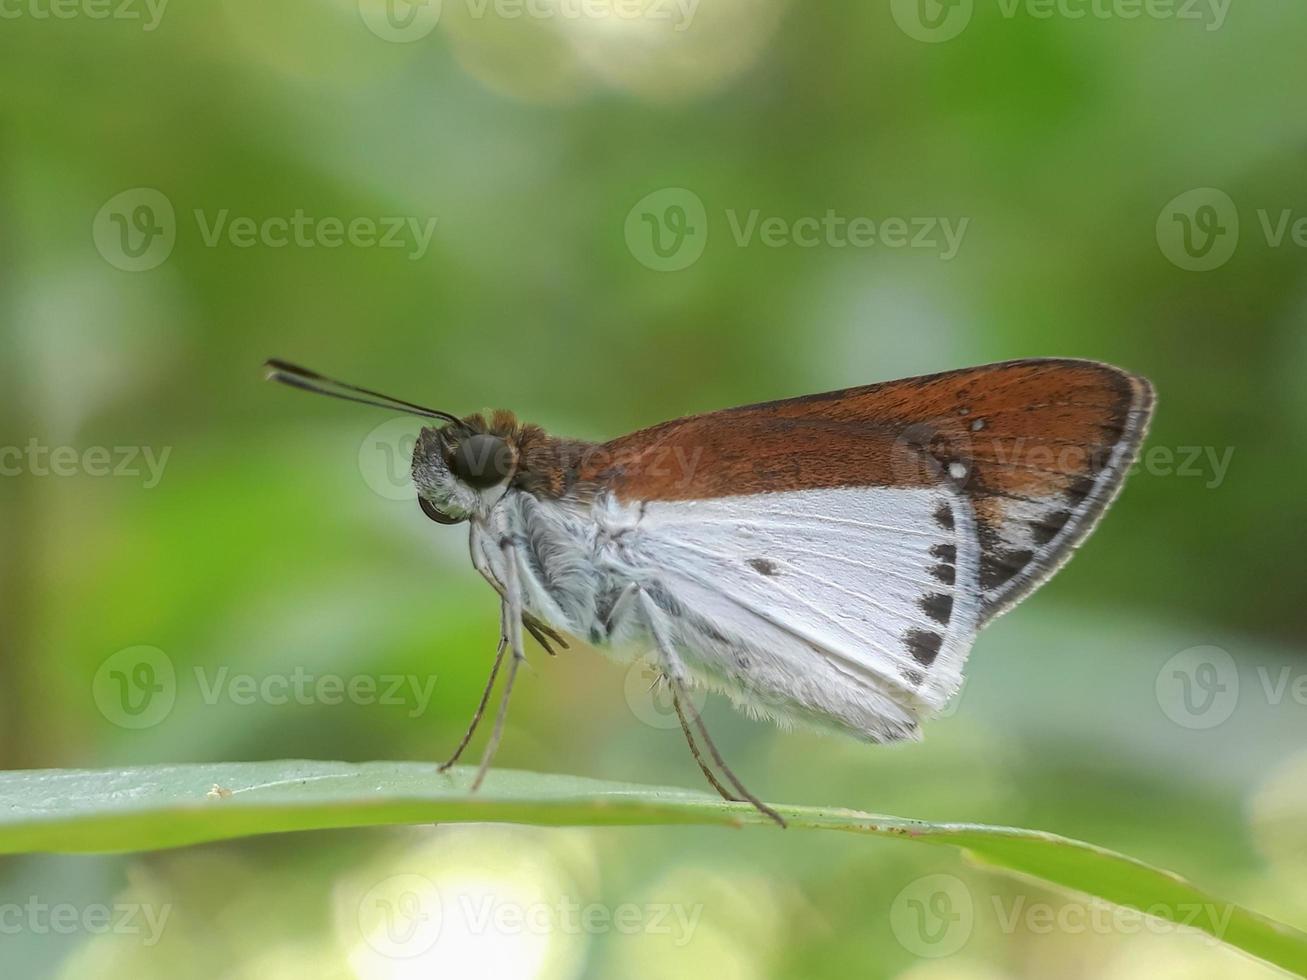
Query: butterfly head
462,469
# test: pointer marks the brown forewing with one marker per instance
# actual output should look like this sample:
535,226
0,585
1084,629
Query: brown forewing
1021,426
1029,439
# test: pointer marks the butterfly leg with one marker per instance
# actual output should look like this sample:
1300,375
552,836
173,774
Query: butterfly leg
485,695
694,750
678,676
512,612
620,610
544,634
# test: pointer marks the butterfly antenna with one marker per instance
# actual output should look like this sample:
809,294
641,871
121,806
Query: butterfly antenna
319,384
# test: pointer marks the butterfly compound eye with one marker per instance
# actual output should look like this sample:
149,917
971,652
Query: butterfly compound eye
481,461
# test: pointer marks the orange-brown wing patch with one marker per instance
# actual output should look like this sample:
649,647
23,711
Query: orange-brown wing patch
1039,447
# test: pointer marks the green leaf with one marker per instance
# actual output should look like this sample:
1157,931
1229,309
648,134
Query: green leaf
153,807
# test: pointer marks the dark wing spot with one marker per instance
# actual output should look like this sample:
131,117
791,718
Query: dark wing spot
938,607
763,566
945,573
924,646
944,515
1046,528
945,552
997,569
1080,488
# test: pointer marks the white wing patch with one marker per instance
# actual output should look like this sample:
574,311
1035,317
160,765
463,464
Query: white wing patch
850,607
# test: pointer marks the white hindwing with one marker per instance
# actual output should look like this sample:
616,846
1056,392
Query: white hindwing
851,608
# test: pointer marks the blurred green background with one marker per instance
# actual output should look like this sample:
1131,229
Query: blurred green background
618,192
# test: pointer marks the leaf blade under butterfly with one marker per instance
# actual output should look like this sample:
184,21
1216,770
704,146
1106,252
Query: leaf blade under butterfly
152,807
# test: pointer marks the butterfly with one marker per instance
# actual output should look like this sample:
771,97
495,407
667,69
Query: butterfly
824,561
